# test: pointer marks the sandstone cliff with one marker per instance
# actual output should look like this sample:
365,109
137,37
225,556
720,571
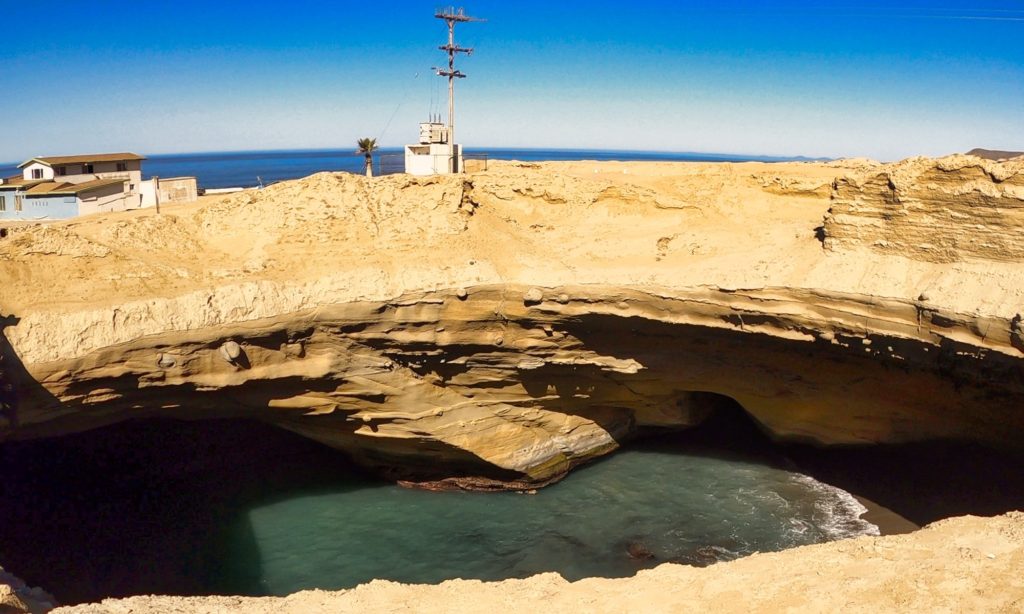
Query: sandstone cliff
507,325
942,211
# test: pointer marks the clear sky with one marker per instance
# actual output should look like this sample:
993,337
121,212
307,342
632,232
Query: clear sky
885,79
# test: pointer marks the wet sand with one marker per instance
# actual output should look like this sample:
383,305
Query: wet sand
887,521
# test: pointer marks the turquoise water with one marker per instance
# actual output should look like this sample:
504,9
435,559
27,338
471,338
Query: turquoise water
635,509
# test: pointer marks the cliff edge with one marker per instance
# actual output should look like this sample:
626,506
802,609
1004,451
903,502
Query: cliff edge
508,325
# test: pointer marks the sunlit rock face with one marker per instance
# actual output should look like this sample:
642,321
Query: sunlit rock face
940,211
497,329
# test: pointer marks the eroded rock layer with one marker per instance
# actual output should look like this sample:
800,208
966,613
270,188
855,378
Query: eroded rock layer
520,384
502,327
941,211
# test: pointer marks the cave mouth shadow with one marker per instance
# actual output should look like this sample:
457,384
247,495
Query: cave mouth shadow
921,482
11,371
150,506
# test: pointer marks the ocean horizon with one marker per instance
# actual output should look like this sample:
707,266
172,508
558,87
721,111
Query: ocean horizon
226,169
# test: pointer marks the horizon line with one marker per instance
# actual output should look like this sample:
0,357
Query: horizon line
775,157
14,163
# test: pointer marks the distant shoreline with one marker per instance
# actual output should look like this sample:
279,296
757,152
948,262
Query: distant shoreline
632,153
245,169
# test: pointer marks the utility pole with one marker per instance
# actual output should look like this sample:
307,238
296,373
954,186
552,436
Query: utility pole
451,16
156,192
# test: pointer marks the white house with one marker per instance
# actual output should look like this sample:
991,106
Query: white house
80,169
58,187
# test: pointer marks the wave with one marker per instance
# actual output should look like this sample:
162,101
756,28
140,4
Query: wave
837,513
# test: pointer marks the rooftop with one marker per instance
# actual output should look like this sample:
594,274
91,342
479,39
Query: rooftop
18,181
108,157
54,188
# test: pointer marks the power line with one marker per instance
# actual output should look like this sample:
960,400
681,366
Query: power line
401,101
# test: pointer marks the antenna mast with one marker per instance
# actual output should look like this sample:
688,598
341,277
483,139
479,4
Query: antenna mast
452,16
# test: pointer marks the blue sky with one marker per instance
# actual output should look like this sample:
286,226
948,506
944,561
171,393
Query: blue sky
880,79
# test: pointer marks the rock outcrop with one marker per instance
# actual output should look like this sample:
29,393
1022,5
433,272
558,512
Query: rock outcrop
994,154
502,327
940,211
16,597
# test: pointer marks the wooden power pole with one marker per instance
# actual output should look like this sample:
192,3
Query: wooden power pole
452,16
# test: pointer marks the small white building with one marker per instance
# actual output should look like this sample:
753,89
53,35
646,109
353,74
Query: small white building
433,155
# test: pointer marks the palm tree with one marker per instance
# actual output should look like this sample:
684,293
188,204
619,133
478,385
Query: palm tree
367,147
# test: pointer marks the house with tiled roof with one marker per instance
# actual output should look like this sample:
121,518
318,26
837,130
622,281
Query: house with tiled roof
57,187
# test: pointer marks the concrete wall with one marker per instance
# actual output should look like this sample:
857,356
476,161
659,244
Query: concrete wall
147,192
418,160
109,198
49,207
171,190
39,208
429,159
7,212
179,190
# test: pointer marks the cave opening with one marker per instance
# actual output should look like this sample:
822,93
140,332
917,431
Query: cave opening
921,481
212,507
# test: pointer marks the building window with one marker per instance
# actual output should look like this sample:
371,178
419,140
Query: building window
37,173
62,170
87,169
3,203
122,167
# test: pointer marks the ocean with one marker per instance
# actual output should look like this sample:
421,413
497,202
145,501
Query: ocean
253,168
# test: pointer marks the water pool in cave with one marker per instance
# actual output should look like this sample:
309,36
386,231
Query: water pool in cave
162,506
642,506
